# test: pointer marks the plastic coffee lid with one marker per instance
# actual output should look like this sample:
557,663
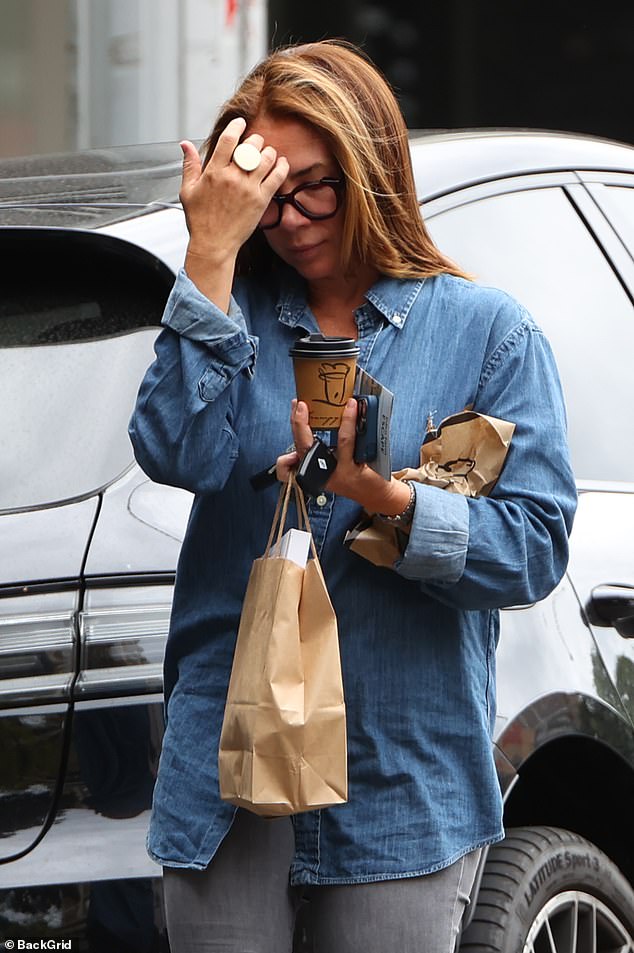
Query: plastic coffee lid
324,346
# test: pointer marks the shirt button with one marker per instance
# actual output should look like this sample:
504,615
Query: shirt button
321,500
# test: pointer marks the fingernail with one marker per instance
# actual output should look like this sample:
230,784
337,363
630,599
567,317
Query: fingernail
351,402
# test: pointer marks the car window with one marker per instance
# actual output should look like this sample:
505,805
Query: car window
78,318
618,202
534,245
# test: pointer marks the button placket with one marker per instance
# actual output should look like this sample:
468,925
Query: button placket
319,515
369,327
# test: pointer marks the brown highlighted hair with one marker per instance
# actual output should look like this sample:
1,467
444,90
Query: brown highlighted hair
335,89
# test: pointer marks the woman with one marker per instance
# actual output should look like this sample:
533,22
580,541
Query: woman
324,233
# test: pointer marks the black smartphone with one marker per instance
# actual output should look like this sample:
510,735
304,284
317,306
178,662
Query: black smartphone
366,444
314,471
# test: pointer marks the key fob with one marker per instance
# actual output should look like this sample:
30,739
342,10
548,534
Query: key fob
315,469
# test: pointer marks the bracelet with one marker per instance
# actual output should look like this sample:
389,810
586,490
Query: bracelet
407,515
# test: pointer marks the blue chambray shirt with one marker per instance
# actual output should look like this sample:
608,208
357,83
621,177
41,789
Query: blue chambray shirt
417,641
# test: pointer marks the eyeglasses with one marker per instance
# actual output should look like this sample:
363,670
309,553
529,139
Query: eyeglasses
316,200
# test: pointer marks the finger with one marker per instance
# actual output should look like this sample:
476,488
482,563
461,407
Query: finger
269,157
255,139
192,165
260,175
227,141
302,434
274,180
347,431
285,464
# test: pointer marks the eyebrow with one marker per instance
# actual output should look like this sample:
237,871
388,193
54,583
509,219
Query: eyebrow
308,170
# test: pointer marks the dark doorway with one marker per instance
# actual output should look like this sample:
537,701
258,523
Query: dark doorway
488,63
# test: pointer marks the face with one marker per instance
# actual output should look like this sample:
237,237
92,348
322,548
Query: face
312,248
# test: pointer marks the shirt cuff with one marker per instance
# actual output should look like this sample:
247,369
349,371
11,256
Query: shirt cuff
438,539
193,316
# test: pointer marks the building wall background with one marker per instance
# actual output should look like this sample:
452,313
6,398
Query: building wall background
91,73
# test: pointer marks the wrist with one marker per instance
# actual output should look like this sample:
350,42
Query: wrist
212,276
387,497
213,257
403,518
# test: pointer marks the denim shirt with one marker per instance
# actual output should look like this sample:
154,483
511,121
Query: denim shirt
417,640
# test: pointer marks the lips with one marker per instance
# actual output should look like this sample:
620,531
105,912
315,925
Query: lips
305,257
303,249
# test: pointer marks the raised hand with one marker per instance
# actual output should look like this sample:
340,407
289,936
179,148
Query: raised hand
223,205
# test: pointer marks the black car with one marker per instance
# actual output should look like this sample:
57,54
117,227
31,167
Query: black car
90,244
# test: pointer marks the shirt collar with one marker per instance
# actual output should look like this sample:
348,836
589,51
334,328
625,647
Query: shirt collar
392,297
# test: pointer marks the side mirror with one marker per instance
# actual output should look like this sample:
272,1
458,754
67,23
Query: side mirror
612,605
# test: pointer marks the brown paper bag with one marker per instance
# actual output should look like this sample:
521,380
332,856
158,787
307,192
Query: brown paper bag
283,742
464,455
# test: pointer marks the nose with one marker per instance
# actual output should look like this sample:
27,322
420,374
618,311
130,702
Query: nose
292,217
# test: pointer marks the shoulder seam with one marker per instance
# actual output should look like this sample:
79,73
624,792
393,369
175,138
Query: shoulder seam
508,344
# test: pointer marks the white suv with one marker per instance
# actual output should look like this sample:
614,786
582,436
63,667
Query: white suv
88,544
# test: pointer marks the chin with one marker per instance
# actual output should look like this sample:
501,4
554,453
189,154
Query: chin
315,271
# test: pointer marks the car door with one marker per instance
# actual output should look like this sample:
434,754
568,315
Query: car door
610,195
40,567
551,241
47,513
78,317
118,694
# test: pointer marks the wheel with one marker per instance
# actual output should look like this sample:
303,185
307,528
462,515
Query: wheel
546,890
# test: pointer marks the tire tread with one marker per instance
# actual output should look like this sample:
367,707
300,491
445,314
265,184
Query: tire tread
506,866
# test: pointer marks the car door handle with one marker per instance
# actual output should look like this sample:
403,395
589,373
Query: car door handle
613,605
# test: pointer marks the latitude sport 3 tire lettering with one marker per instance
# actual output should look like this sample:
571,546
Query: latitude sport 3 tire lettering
547,890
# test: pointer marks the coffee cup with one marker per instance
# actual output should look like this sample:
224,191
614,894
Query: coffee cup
325,370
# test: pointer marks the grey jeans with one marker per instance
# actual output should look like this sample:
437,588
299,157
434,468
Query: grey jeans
242,903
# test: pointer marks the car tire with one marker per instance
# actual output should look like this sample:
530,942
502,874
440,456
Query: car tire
547,889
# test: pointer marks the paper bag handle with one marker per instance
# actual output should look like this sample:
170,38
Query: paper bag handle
281,513
279,517
302,514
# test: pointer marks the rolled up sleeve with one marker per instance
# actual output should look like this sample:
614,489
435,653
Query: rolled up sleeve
182,426
195,317
439,537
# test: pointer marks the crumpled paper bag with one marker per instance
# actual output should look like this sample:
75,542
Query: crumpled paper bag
464,455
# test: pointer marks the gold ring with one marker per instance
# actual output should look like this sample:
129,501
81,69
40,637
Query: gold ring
247,156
